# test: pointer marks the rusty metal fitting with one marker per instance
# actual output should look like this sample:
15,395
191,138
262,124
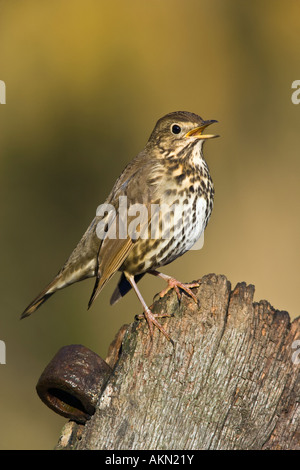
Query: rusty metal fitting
72,381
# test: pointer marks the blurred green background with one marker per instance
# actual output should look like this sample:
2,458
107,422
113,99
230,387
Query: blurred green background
86,82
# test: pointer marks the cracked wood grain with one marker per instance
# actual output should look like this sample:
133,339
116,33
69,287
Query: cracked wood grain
228,383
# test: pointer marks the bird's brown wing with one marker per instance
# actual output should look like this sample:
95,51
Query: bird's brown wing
114,251
110,258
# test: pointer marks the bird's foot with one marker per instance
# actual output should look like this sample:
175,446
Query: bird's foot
156,315
177,285
151,320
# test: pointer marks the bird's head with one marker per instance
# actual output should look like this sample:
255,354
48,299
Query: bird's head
178,130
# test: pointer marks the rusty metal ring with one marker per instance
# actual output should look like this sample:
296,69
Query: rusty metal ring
72,381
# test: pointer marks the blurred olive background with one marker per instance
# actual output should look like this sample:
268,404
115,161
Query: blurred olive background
86,82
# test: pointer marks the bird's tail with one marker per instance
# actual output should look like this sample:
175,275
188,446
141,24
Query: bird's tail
80,265
36,303
42,297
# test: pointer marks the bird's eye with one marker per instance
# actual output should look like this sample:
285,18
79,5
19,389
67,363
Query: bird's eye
176,129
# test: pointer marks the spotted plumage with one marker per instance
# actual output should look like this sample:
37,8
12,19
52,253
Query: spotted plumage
171,174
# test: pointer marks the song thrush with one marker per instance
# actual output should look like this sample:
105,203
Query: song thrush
170,171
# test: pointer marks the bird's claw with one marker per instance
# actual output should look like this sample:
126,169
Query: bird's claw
177,285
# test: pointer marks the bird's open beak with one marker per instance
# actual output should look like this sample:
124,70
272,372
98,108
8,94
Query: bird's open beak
197,131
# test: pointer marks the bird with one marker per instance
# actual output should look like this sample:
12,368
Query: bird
169,172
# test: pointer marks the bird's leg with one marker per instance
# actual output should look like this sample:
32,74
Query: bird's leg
177,285
150,317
